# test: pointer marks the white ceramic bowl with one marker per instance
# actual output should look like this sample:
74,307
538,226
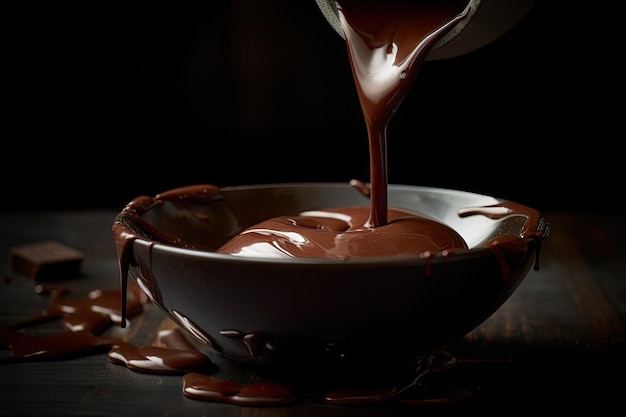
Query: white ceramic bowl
273,311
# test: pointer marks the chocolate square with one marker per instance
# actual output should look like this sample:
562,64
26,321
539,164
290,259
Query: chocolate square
45,260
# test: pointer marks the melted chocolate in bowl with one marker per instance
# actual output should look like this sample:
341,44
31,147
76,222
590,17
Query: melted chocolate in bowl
342,233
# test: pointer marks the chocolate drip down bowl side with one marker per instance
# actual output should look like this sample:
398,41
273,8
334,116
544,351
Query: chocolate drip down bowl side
266,311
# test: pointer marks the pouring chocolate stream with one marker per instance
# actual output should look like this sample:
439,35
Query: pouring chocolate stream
387,45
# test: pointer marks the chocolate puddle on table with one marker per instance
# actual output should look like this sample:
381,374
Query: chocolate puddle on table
86,319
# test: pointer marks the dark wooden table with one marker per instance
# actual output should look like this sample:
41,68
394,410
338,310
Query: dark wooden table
556,344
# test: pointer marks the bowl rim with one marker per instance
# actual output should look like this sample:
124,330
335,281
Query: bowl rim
394,261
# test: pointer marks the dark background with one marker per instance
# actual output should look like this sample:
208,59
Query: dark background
107,101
